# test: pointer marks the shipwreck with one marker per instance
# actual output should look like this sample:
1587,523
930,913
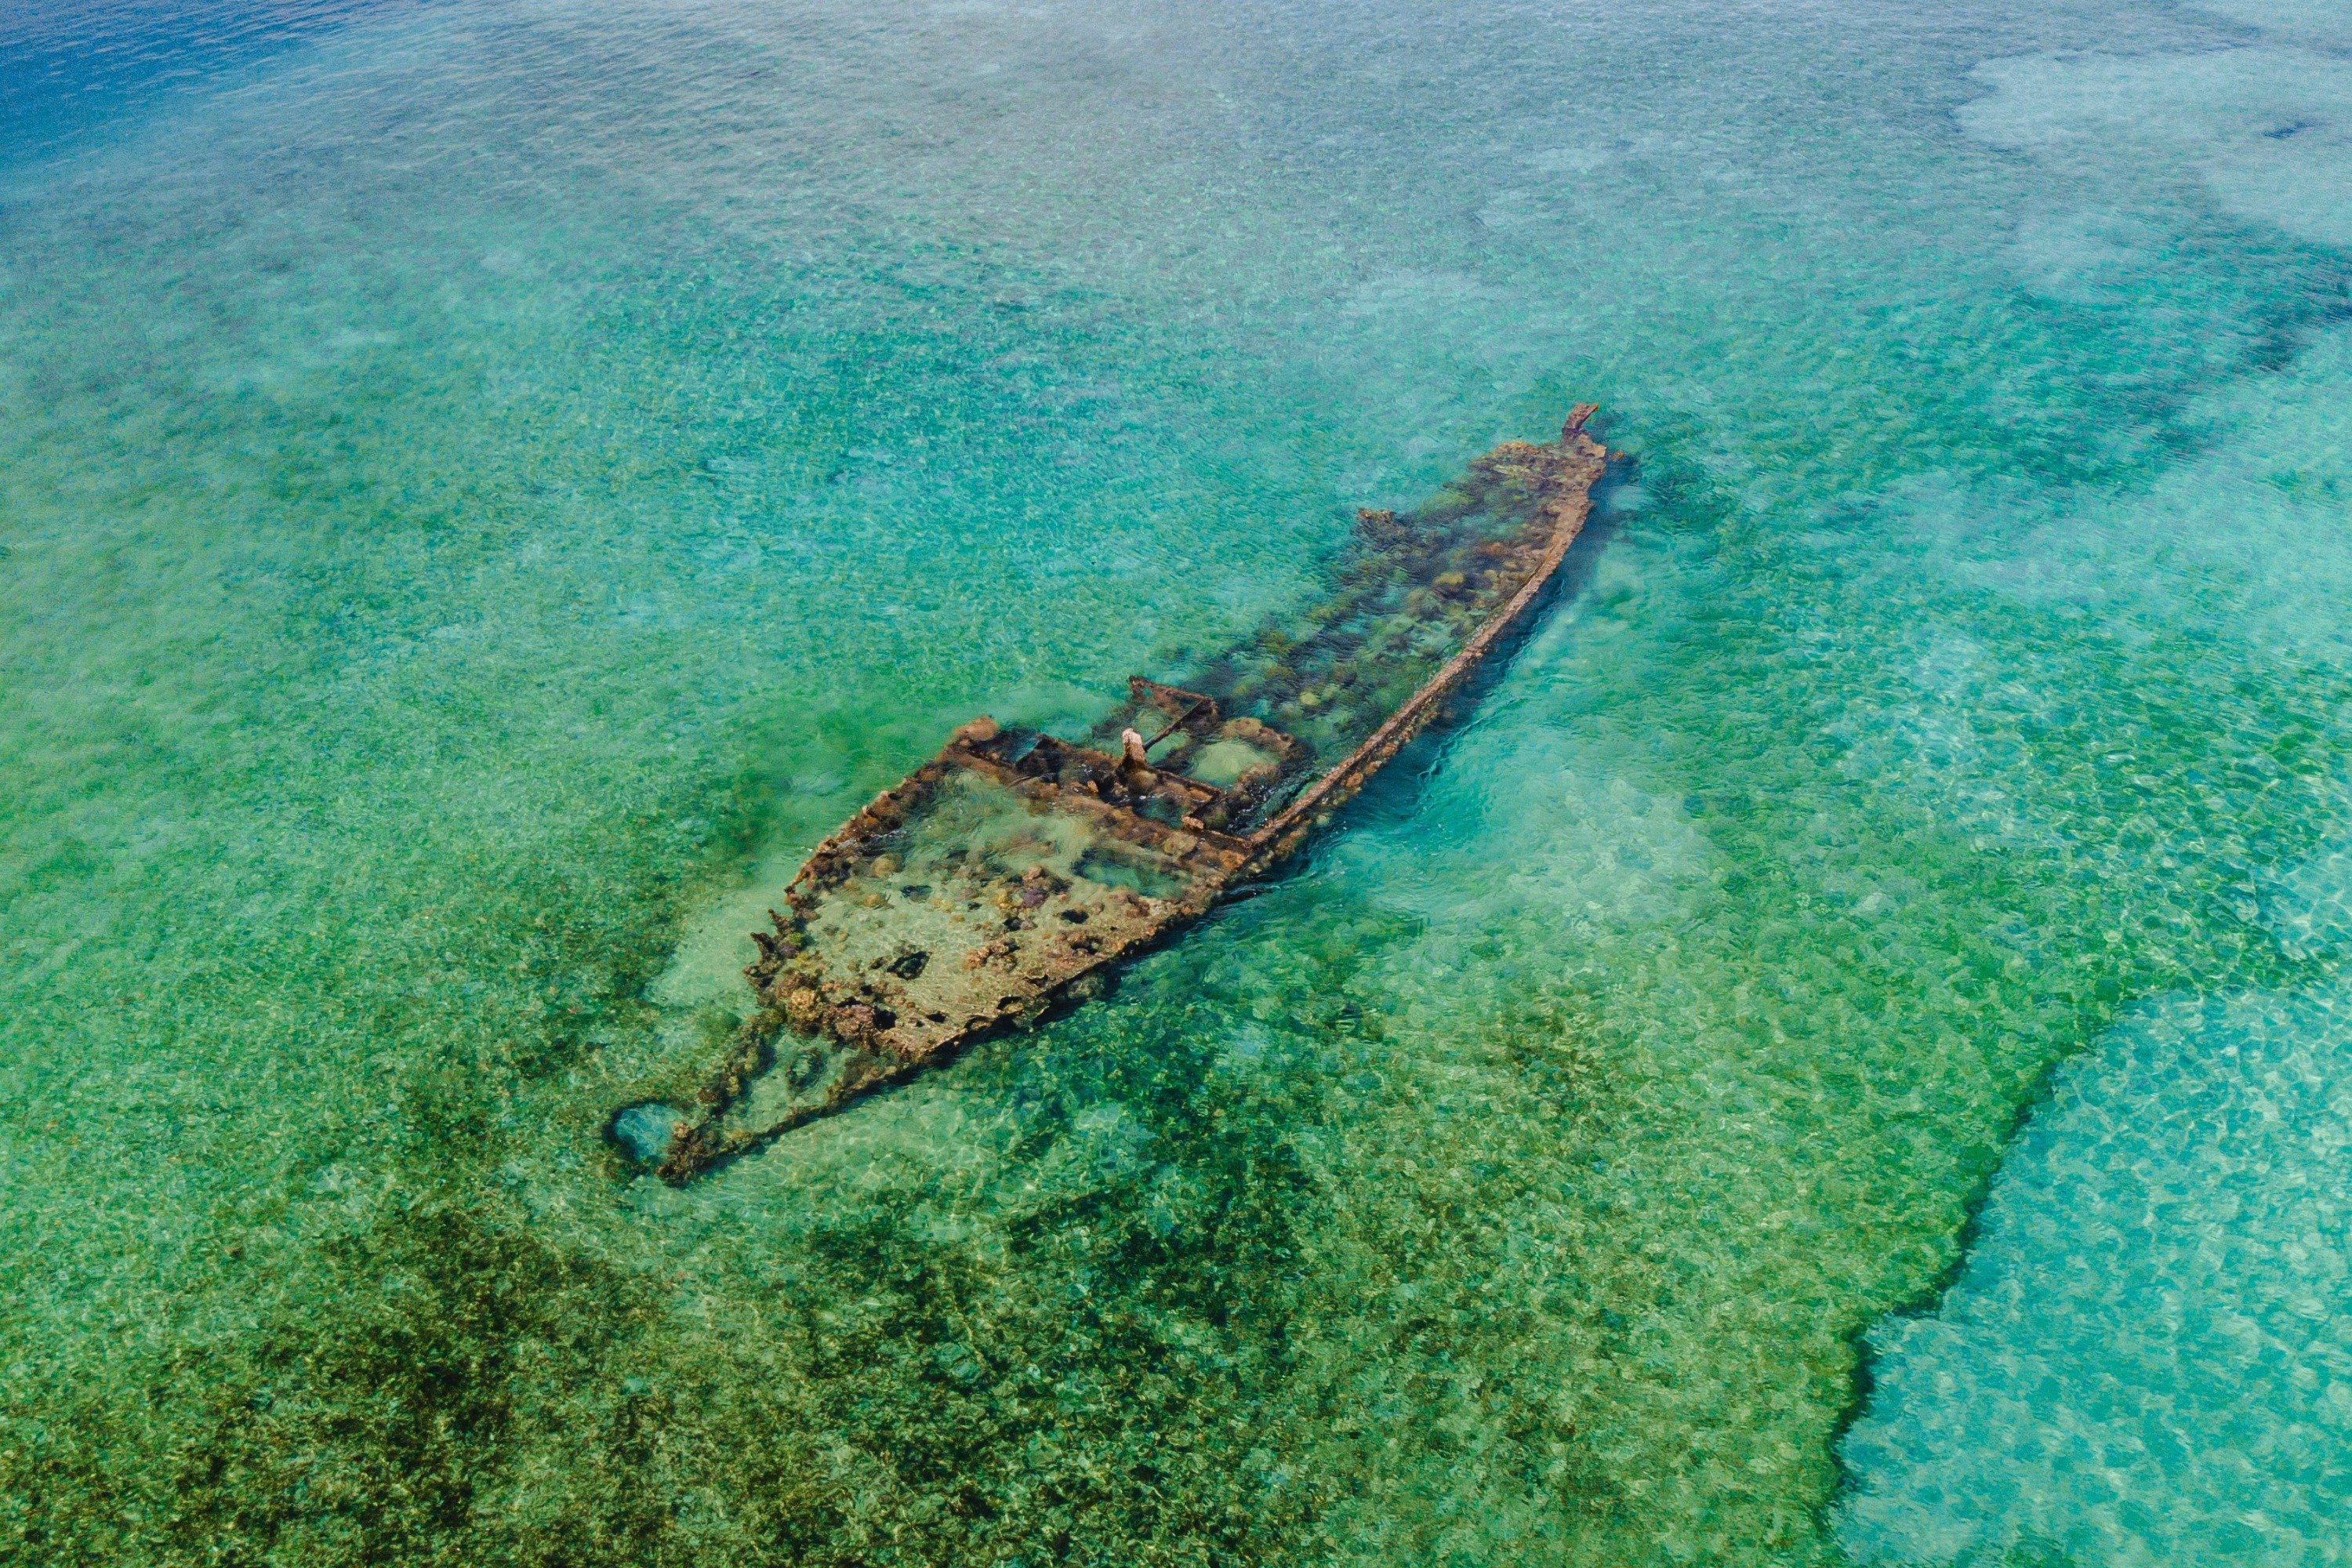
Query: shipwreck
1009,871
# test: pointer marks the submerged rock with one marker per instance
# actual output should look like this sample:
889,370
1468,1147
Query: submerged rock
644,1131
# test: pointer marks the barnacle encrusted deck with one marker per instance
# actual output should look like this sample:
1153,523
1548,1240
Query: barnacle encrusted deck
1011,869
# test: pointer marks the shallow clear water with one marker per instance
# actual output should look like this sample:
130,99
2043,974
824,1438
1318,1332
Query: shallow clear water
484,487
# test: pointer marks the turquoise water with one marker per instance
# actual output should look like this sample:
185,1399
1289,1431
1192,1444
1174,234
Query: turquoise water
484,488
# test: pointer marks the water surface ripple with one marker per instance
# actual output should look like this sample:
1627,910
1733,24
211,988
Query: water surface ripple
484,486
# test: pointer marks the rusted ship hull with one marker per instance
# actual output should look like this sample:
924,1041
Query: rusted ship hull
1014,868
